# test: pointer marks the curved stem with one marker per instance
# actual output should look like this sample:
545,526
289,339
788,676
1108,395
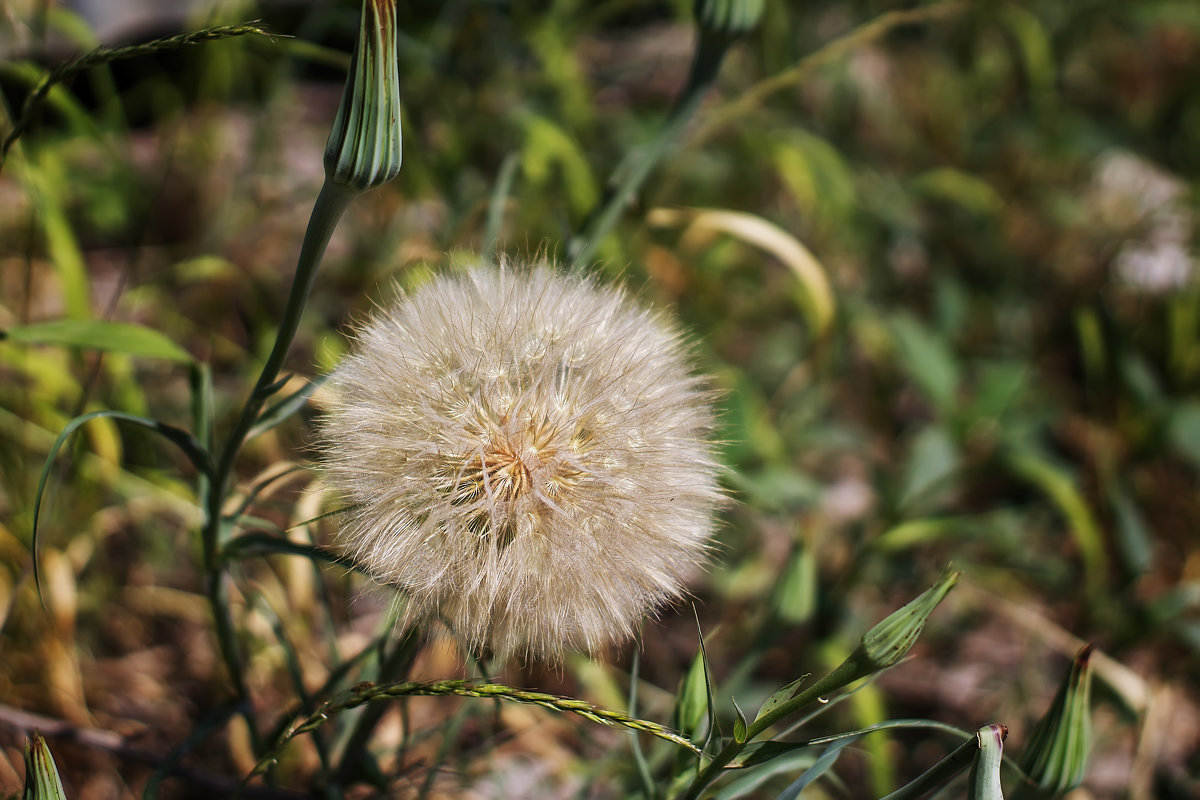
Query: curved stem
327,210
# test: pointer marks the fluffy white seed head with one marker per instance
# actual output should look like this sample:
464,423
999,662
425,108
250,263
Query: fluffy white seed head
528,457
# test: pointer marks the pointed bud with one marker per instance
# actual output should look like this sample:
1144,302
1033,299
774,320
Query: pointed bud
363,150
891,639
1057,753
41,775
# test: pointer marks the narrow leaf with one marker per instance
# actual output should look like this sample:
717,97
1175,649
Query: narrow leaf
748,782
940,774
249,545
818,297
192,448
92,334
819,768
757,753
780,697
691,703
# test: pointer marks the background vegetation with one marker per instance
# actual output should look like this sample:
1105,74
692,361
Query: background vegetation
1000,194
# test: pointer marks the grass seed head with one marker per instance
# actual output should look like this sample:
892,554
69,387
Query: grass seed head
529,458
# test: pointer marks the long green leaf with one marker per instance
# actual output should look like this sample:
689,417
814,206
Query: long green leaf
761,752
91,334
213,721
264,544
500,193
190,446
940,774
819,768
747,783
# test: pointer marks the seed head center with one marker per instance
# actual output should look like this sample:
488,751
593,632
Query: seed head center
504,471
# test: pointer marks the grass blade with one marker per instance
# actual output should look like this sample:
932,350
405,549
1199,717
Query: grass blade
190,446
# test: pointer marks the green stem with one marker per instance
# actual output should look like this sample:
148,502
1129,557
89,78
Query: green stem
630,176
850,670
327,210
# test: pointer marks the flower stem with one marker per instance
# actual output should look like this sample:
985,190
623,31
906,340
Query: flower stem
327,210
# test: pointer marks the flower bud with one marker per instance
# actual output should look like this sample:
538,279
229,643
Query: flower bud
363,150
41,775
1057,753
890,640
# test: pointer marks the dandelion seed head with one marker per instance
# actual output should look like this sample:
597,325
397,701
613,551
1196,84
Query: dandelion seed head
528,457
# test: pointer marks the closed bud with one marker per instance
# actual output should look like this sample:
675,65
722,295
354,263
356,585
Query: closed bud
890,640
41,775
363,150
1057,753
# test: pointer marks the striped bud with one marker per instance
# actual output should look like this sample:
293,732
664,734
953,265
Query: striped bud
363,150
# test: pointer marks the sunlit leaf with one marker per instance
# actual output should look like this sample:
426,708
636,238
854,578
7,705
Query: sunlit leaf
88,334
192,448
818,297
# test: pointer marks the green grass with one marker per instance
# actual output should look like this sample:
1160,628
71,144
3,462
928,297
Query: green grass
990,382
